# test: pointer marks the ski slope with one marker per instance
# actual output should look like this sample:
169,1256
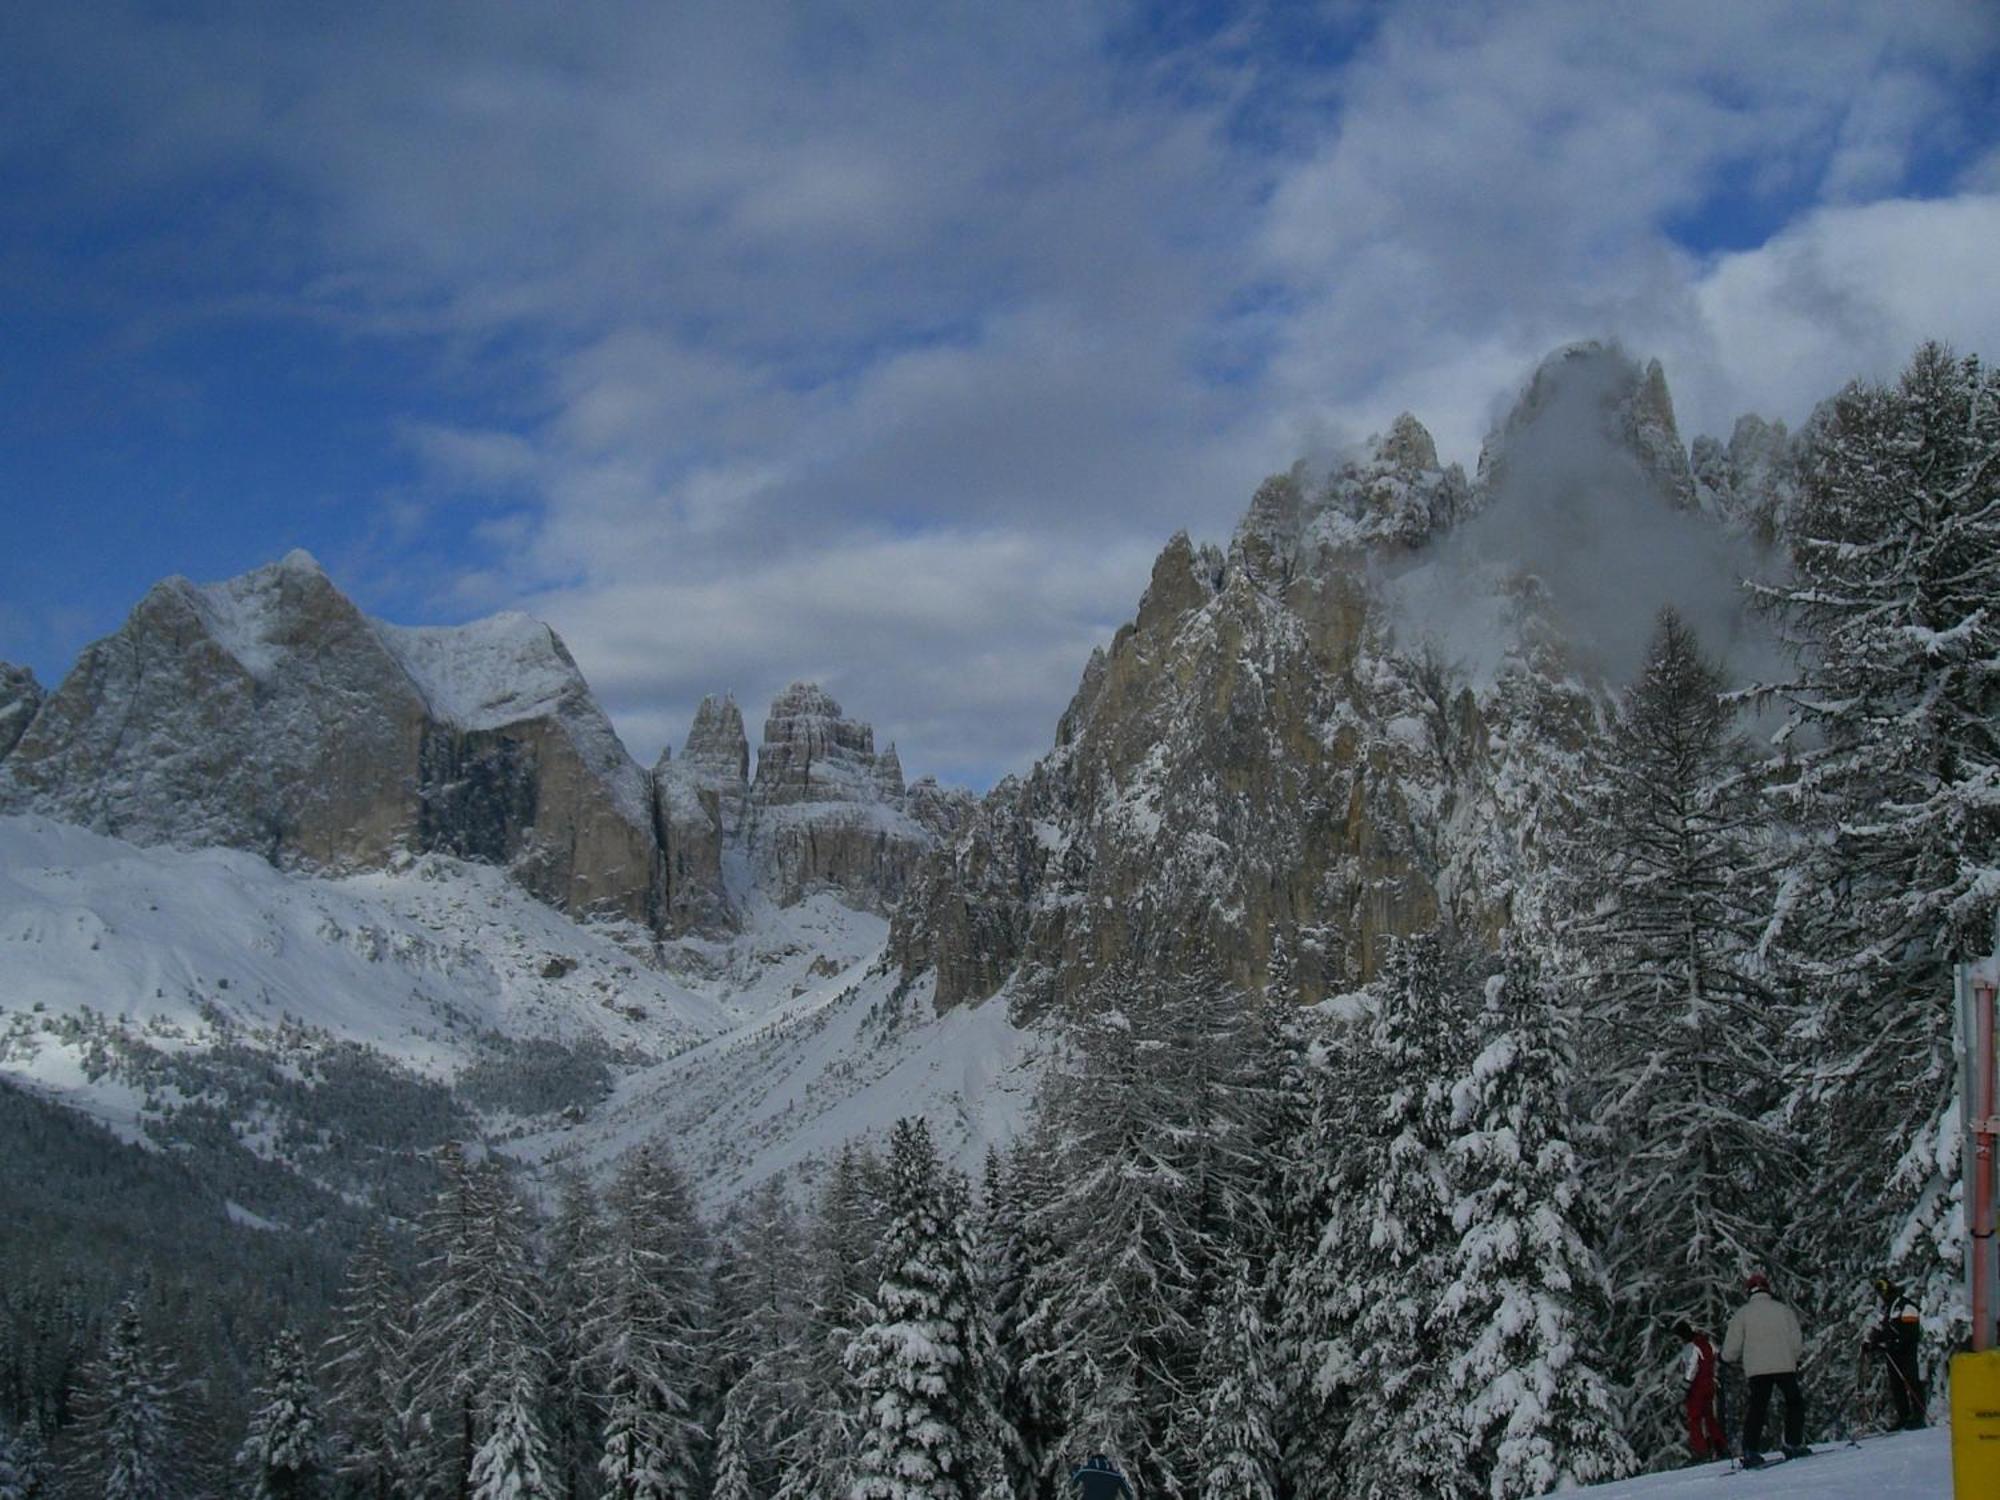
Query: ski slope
1896,1466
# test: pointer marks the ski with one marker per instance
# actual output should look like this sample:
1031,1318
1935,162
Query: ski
1771,1461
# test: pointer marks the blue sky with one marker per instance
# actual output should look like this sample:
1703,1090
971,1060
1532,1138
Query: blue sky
886,344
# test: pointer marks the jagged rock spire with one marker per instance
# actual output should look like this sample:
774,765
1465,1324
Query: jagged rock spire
717,749
812,752
1588,392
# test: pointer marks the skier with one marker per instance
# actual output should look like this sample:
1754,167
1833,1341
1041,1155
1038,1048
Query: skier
1895,1339
1765,1336
1705,1436
1099,1479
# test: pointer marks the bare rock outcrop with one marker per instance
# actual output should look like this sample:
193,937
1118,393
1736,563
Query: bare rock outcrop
264,713
1258,773
698,808
1752,482
20,697
268,713
1215,794
716,755
825,812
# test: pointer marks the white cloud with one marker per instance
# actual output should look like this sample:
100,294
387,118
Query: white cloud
964,644
887,344
1505,180
1847,293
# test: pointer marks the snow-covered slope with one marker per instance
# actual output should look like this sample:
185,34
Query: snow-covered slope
836,1061
779,1048
1898,1466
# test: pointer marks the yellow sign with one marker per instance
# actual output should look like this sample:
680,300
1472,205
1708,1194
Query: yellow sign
1975,1425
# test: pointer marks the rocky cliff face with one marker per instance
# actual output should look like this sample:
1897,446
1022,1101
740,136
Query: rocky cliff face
825,811
268,713
264,713
20,698
1222,782
1751,483
1271,765
698,803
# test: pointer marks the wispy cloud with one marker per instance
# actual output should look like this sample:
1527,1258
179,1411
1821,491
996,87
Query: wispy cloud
886,343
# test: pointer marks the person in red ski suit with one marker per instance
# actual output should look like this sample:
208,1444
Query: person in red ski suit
1705,1436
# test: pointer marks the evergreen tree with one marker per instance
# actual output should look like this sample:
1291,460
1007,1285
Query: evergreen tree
573,1416
917,1361
367,1367
732,1467
1529,1289
129,1436
1684,1028
1334,1088
764,1339
1404,1434
1159,1127
478,1325
1028,1428
1237,1399
24,1469
647,1326
845,1252
511,1462
1894,772
284,1452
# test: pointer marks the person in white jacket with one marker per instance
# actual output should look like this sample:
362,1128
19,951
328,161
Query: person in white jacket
1765,1336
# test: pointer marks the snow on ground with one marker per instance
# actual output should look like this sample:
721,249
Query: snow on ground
418,963
750,1056
1897,1466
840,1060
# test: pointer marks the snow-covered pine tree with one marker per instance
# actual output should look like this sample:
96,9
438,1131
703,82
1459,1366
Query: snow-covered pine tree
1158,1181
1895,775
1528,1301
1332,1086
916,1362
573,1412
985,1376
366,1362
24,1468
128,1436
284,1453
1684,1027
1028,1430
478,1324
732,1466
512,1460
1236,1397
647,1328
1404,1433
763,1340
845,1246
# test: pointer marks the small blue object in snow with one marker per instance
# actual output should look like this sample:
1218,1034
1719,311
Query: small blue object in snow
1099,1479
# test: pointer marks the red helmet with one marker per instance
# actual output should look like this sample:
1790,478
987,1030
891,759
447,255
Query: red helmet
1756,1281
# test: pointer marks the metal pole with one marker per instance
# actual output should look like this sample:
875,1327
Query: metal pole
1983,1127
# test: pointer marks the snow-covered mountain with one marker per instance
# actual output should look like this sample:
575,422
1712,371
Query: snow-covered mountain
1324,736
253,808
128,969
268,714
